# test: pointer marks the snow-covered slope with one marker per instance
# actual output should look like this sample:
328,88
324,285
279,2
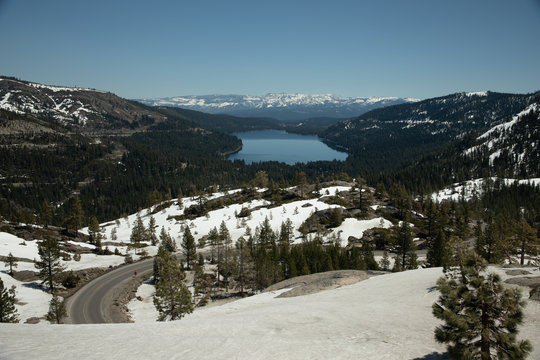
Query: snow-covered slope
86,108
513,144
384,317
281,106
296,211
466,190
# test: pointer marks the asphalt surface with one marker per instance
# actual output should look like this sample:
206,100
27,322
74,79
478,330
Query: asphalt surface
93,303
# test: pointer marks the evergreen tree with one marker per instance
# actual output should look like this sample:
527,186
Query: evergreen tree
8,312
172,298
406,250
226,267
244,273
213,240
166,241
526,241
151,231
114,235
11,262
202,282
189,248
57,310
77,213
49,265
480,316
437,254
46,213
138,233
94,231
384,263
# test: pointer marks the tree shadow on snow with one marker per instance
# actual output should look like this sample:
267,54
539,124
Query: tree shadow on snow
33,285
433,356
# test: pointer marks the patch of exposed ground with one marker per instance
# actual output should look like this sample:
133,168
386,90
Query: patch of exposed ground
310,284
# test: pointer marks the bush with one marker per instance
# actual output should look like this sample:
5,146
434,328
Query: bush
70,280
128,259
77,257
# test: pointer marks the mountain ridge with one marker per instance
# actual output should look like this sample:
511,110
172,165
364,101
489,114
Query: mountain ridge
282,106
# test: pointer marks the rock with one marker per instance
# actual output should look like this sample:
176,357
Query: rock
535,293
517,272
529,281
32,320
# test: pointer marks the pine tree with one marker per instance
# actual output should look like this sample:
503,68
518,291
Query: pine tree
138,233
213,240
244,273
11,262
480,316
189,248
437,254
46,213
166,240
226,267
49,263
172,298
57,310
384,263
151,231
8,312
77,213
407,250
526,240
95,233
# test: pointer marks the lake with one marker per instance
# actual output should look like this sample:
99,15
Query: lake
275,145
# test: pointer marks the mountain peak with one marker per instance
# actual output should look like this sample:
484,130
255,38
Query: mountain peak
283,106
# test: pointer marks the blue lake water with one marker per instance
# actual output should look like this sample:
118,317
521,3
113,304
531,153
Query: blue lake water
275,145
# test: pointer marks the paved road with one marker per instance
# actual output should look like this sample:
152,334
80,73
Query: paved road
93,303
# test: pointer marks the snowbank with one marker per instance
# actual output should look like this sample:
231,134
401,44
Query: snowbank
385,317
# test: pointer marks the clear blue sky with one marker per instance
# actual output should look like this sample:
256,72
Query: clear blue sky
136,49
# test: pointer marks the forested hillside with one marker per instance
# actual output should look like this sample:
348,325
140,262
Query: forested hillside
390,137
118,156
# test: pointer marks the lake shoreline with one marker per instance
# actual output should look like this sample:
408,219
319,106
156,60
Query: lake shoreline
279,145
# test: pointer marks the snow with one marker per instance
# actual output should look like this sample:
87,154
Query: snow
271,100
143,311
471,188
476,93
356,228
18,247
297,212
384,317
32,301
507,125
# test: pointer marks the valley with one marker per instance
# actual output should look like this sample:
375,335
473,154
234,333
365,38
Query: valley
120,187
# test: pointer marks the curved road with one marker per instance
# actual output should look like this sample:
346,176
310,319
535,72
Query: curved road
93,303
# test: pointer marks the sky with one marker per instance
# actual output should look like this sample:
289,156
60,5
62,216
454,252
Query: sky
151,49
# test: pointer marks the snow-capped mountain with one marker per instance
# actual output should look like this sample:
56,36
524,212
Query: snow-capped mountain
280,106
71,106
511,146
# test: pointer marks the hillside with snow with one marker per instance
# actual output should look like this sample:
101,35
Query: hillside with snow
72,106
383,317
169,216
512,146
280,106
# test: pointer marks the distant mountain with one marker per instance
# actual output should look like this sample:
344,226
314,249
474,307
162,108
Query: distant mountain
399,134
84,109
286,107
